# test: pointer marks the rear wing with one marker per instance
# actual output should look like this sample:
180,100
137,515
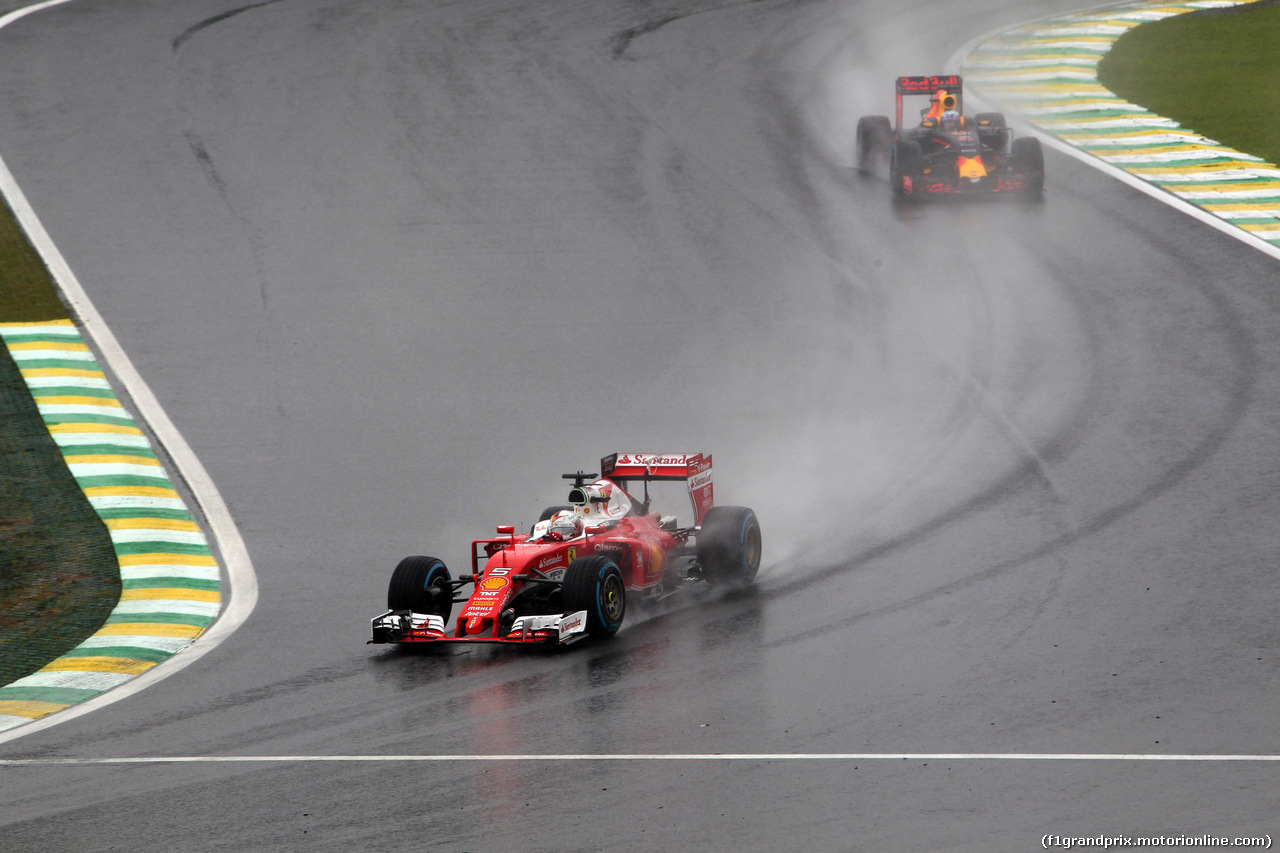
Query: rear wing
947,84
693,467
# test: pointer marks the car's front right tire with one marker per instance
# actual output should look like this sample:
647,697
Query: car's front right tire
906,160
874,135
421,585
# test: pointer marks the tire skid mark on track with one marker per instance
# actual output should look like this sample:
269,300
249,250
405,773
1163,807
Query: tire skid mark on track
170,577
216,19
1031,474
1046,72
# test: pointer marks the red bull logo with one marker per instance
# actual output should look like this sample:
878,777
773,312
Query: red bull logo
971,168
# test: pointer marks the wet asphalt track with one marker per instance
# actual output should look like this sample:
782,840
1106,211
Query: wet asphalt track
393,267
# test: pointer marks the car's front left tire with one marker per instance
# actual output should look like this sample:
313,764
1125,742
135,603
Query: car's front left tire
1028,159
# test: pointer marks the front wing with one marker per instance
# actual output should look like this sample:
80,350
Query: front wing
943,184
404,627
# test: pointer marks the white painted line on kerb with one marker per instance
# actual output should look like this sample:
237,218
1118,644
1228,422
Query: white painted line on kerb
242,581
620,757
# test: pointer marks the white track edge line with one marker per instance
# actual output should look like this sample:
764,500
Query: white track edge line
953,66
703,756
242,580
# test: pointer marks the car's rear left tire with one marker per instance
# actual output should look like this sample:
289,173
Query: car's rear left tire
421,585
552,510
729,545
993,130
595,584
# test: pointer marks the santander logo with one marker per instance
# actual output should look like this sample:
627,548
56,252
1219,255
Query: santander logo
643,459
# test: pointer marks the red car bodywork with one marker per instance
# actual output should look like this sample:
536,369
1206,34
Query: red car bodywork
517,578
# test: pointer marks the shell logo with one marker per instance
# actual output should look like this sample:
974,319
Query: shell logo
494,583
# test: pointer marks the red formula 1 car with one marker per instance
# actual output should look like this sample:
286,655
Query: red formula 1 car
574,573
949,153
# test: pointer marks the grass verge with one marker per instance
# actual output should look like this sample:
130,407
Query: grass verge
59,578
1216,72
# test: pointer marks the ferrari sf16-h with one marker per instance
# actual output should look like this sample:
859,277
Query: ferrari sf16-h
575,572
949,153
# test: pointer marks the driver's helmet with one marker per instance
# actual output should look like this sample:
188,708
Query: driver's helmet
565,524
950,119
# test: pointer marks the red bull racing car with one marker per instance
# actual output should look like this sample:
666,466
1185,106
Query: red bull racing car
949,153
575,572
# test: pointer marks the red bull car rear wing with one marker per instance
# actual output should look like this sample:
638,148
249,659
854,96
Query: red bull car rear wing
950,86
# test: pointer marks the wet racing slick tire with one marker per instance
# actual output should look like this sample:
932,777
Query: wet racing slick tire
875,135
993,130
905,162
421,585
729,545
552,510
1028,159
595,584
990,121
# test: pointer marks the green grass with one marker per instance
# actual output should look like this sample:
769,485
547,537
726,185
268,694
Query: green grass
1217,73
26,291
59,578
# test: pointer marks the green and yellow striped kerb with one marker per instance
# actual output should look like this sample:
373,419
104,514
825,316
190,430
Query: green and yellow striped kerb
171,589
